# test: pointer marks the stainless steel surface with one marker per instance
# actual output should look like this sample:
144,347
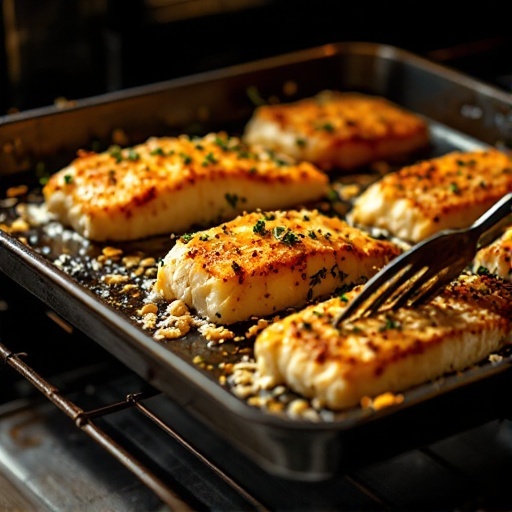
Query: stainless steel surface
48,463
414,276
452,103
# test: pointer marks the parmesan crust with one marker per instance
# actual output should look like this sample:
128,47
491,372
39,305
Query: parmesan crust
264,262
450,191
390,352
337,130
172,184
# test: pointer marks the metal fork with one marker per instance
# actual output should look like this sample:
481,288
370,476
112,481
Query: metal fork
421,272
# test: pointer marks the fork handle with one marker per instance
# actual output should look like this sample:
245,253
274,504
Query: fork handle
492,223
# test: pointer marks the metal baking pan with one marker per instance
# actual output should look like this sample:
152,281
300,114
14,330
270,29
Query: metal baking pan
463,114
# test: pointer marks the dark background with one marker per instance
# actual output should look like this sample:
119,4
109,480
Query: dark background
74,49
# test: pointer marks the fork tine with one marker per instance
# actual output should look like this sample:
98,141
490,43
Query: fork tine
442,279
417,275
358,303
418,288
388,282
394,287
377,291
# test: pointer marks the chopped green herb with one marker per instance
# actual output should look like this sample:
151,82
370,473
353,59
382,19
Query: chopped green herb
116,153
222,143
259,227
333,196
186,237
187,159
455,188
232,199
209,159
328,127
316,278
285,236
390,324
278,231
254,96
132,154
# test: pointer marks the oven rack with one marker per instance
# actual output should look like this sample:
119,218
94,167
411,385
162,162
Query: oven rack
468,469
87,421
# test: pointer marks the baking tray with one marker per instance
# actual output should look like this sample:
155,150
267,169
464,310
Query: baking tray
463,113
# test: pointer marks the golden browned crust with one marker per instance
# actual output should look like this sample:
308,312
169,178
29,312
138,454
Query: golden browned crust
342,130
390,352
450,191
264,262
170,183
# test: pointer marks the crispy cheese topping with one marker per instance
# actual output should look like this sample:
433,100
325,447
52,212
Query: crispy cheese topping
170,184
261,263
450,191
340,130
389,352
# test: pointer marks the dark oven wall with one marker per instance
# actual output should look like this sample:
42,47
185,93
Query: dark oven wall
60,49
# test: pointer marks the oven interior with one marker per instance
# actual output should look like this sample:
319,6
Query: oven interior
60,390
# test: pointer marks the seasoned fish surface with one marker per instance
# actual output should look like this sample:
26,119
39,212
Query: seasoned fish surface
264,262
338,130
387,353
496,258
172,184
450,191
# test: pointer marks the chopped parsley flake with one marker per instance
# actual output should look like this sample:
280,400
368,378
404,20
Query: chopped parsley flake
222,143
278,231
116,153
454,188
132,154
186,237
255,96
232,199
285,236
390,324
316,279
328,127
209,159
187,159
259,227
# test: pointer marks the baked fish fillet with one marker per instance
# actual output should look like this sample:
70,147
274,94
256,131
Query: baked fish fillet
171,184
264,262
450,191
496,258
387,353
337,130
